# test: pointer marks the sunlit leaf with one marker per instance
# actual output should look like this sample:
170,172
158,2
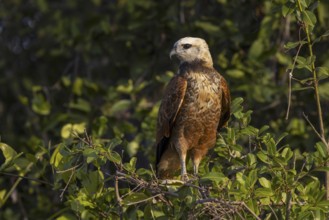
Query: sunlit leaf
265,182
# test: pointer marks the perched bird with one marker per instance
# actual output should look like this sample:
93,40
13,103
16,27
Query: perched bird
195,105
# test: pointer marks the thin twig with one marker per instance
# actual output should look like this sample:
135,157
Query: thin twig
314,129
69,169
288,205
117,190
27,178
144,200
254,214
276,217
291,75
67,184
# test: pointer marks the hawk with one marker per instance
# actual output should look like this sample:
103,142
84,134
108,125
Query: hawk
195,105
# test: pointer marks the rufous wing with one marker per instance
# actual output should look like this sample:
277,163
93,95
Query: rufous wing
226,103
168,111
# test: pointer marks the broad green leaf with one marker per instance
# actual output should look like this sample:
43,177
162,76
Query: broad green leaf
214,176
252,178
251,158
322,149
264,192
79,128
264,157
265,182
309,18
9,154
271,147
114,157
93,182
69,129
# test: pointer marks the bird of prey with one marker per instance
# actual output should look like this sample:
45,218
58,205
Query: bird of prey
195,105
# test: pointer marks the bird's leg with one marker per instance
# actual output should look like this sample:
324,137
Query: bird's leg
197,156
182,158
183,167
196,167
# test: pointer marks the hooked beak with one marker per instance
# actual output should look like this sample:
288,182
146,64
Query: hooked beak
172,52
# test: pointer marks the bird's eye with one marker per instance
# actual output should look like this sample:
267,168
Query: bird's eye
186,46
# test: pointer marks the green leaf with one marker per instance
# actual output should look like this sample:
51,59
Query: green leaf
81,105
264,128
120,106
309,18
322,71
78,86
265,182
250,130
251,159
56,157
271,147
236,105
321,169
93,182
264,157
235,73
69,130
214,176
9,154
263,192
132,162
322,149
324,204
114,157
252,178
207,27
287,153
286,10
91,154
291,45
256,49
40,105
135,198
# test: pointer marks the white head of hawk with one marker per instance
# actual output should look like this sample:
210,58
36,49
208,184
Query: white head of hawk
192,49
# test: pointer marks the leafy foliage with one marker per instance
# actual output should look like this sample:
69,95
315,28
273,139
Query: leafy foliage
100,66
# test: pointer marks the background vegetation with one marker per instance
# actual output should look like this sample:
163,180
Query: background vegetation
80,88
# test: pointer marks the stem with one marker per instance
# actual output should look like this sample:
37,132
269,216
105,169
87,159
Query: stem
317,96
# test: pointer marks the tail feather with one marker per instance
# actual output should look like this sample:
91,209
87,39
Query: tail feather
161,147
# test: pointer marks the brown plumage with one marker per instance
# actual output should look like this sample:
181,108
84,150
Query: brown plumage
196,104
